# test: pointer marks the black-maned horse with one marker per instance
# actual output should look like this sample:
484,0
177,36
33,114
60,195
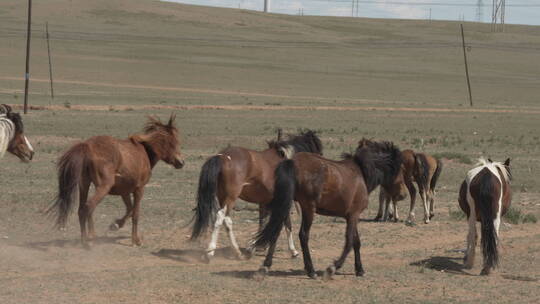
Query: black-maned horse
238,172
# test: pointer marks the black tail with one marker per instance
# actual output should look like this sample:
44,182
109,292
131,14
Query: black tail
71,167
421,171
280,206
207,205
436,175
485,199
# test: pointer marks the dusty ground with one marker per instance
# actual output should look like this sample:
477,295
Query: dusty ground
233,77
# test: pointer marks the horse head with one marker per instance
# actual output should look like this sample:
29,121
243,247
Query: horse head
19,144
162,139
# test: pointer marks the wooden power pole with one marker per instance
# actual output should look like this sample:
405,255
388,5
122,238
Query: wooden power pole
27,74
466,66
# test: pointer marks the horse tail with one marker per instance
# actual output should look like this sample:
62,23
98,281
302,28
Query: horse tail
280,206
207,205
436,175
422,171
485,200
71,166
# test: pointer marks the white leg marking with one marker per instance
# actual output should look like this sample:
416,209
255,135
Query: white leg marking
426,206
228,226
215,233
290,239
396,218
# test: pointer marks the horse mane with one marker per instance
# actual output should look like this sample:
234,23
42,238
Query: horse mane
157,137
505,170
305,141
379,162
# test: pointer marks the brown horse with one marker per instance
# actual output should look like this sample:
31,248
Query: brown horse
12,138
419,167
117,167
328,187
238,172
485,196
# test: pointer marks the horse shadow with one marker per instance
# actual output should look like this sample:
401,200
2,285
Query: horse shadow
442,263
249,274
196,255
73,243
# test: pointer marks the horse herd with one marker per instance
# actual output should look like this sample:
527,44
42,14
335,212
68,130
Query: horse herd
289,170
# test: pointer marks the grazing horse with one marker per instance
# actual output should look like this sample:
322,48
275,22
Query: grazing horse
485,196
328,187
117,167
238,172
419,167
12,138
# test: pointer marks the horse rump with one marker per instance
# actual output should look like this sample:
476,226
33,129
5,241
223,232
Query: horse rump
207,205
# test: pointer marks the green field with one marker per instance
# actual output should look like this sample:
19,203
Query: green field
233,77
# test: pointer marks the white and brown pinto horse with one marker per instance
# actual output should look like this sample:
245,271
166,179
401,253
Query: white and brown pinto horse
485,196
12,138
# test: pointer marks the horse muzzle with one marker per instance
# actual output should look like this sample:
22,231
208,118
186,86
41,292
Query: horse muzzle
178,163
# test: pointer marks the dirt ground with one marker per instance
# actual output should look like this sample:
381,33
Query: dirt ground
233,77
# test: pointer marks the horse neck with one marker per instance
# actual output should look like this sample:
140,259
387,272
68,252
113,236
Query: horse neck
153,158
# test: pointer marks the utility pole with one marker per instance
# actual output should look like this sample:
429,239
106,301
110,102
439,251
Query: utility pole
50,62
466,66
266,6
479,11
27,74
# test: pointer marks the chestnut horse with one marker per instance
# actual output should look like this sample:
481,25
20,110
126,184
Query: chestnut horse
117,167
328,187
419,167
238,172
485,196
12,138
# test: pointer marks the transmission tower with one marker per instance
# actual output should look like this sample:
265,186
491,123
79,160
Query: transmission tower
497,15
480,11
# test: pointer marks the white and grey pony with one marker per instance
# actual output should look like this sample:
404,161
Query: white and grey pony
12,138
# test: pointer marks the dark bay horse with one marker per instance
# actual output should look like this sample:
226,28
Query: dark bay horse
12,138
421,168
238,172
485,196
328,187
117,167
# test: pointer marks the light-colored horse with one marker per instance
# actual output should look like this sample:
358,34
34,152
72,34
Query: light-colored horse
12,138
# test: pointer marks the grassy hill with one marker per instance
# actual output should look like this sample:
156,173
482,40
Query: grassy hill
182,54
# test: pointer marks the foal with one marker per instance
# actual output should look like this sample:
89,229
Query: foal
485,196
117,167
328,187
238,172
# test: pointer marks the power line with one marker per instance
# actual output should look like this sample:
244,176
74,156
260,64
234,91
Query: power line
431,3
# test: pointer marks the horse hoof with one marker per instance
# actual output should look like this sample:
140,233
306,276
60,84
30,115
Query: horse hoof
485,272
260,274
327,276
114,227
360,273
205,258
294,254
312,275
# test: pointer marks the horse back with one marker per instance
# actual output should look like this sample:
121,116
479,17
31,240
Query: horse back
485,188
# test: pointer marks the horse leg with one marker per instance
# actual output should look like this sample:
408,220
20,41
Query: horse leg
307,220
86,211
228,225
472,238
386,208
137,197
119,223
349,235
290,238
382,196
396,218
220,218
431,194
423,196
83,197
412,194
359,270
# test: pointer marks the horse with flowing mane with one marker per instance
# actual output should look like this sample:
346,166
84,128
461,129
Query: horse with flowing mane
12,138
485,196
237,172
328,187
117,167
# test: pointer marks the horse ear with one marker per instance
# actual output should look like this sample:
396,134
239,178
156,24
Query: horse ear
172,119
489,160
507,162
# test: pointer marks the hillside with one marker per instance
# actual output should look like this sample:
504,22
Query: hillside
190,54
